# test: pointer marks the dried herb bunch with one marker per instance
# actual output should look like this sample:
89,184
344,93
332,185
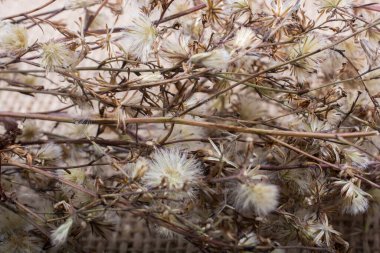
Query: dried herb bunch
238,125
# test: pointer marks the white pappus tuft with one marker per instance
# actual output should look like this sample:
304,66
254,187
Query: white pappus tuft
56,55
59,235
13,38
49,152
172,169
151,77
216,59
354,199
175,49
356,157
139,37
137,170
262,198
249,240
244,38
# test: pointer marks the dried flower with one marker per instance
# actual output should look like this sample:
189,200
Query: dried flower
77,176
328,5
354,199
137,170
174,170
59,235
214,11
169,113
356,157
313,124
322,232
56,55
242,4
260,197
80,130
302,68
151,77
13,38
217,59
30,131
49,152
249,240
281,8
244,38
175,50
139,37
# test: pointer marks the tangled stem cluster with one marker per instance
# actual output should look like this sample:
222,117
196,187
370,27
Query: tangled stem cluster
238,125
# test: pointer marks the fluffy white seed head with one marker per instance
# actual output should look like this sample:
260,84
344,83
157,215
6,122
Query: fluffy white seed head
30,131
76,176
56,55
151,77
262,198
175,49
13,38
59,235
244,38
216,59
313,124
302,68
139,37
137,170
355,200
49,152
249,240
173,170
356,157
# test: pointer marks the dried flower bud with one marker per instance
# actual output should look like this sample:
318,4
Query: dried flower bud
217,59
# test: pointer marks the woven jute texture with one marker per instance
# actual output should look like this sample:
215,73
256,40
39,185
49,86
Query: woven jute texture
133,235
